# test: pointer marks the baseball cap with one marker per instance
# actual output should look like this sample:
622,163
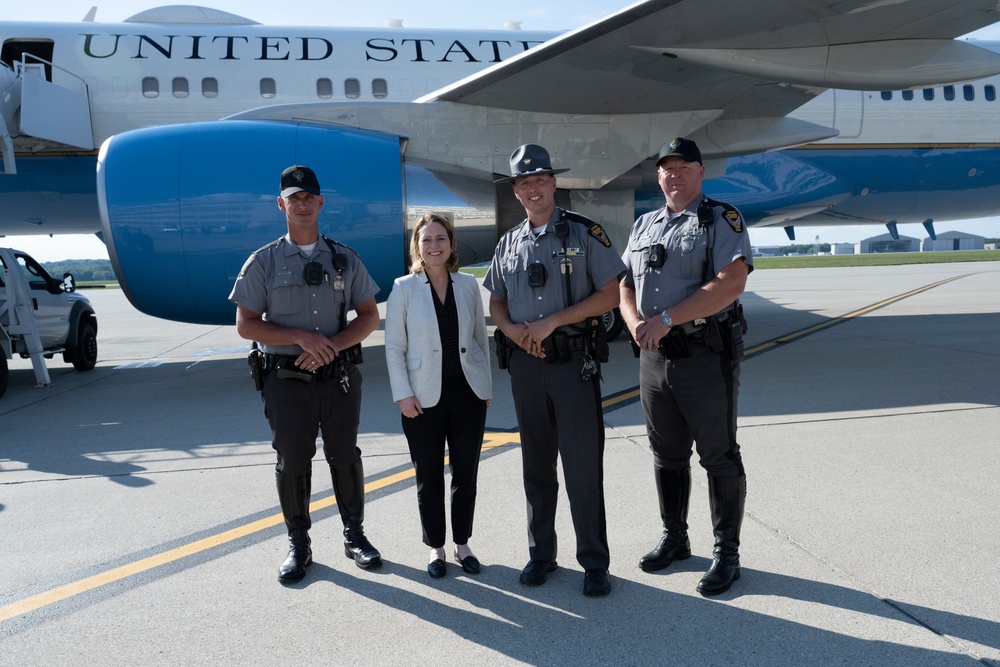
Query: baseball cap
298,179
685,149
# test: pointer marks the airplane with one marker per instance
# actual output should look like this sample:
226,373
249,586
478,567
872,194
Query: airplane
806,114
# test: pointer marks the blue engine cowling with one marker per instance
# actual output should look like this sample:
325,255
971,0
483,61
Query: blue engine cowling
183,206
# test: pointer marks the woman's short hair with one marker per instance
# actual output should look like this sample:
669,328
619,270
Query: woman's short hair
416,263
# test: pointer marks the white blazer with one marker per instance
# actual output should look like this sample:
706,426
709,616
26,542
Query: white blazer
413,344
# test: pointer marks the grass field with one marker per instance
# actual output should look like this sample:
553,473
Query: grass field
884,259
819,261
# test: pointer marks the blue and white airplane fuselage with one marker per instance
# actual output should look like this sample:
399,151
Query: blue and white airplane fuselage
187,118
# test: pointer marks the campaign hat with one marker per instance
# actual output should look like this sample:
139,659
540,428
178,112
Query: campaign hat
529,160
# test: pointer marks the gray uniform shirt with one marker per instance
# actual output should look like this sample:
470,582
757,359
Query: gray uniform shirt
686,242
587,254
272,284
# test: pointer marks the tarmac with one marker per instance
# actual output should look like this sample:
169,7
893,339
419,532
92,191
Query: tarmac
139,523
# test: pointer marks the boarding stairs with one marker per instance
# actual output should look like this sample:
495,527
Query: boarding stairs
17,321
36,114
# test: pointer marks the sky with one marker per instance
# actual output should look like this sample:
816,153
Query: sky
555,15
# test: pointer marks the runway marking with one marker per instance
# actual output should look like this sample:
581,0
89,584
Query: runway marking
490,441
629,396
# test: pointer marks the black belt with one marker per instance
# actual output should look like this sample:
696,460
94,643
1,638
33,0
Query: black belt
284,364
678,344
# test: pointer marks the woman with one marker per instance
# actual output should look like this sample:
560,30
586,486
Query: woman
439,371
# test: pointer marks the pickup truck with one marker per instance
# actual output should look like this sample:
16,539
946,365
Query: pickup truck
41,316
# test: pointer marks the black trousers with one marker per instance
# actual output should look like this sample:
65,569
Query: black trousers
692,401
459,419
299,411
560,416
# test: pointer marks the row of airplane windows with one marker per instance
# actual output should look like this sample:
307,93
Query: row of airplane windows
947,92
380,89
268,88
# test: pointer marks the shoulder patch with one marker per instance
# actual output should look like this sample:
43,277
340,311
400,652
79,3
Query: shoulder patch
598,233
731,215
734,219
246,265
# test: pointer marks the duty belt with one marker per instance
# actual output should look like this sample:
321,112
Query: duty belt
285,368
560,346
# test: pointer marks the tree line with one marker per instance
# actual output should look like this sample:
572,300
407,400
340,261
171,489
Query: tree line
83,270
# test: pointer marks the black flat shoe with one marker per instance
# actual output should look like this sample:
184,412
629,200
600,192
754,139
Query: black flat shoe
470,564
436,568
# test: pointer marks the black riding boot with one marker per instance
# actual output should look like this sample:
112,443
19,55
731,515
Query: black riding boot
726,497
673,488
349,487
293,493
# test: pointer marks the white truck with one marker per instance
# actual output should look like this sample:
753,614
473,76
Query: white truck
41,316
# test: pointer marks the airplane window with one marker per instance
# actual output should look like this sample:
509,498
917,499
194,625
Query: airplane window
267,88
380,88
908,95
210,87
969,92
929,94
180,85
949,93
886,95
990,93
150,87
352,88
324,88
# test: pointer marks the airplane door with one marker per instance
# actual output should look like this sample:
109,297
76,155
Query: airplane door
38,52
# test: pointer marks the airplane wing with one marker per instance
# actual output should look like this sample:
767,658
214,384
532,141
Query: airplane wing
736,57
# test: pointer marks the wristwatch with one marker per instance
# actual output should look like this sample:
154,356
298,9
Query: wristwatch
665,318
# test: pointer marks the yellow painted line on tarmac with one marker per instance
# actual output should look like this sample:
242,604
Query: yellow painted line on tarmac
490,441
633,394
849,316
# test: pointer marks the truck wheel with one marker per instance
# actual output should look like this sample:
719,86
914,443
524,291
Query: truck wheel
614,323
4,372
85,355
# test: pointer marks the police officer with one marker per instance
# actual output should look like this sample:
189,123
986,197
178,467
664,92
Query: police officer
552,278
688,263
292,296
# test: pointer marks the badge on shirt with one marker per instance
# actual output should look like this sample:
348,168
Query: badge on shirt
338,283
598,233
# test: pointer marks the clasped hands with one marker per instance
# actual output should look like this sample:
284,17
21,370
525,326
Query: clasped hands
648,333
531,334
317,351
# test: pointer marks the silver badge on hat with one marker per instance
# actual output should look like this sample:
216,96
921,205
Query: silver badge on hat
298,175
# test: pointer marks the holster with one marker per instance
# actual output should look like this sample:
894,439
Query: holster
352,354
556,347
503,349
732,331
598,339
675,344
257,370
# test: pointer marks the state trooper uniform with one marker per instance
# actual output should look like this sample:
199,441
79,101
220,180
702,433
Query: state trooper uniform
539,272
312,292
689,387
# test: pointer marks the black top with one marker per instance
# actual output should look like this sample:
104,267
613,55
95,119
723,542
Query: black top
447,317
